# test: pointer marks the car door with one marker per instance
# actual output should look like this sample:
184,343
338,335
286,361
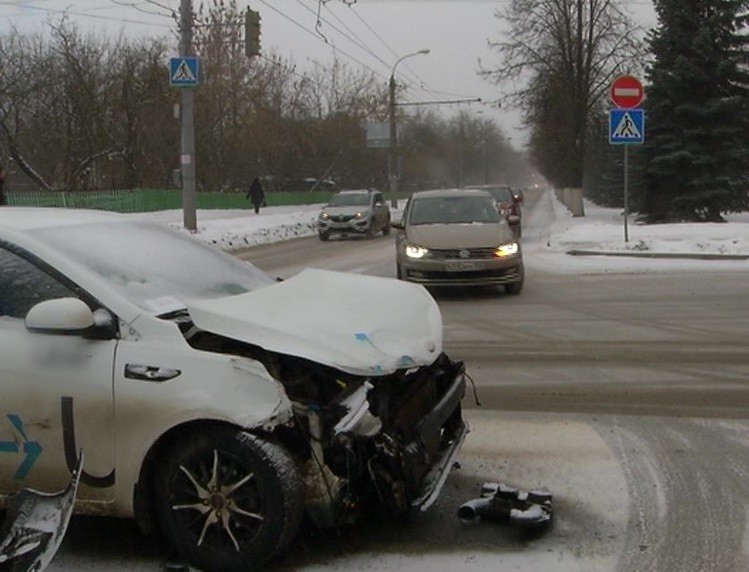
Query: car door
56,389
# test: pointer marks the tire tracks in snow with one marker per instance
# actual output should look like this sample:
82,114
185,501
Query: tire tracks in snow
688,491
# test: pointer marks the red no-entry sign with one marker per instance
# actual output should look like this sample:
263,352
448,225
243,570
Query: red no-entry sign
627,92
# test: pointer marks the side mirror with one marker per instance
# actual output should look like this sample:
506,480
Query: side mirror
62,316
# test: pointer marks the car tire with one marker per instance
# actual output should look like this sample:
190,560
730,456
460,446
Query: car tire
324,236
399,272
386,228
226,499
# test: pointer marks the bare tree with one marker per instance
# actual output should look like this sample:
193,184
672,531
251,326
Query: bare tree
559,58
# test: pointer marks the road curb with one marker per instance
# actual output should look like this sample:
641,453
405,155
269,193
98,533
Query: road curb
644,254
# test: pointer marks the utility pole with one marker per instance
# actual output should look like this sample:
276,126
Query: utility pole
187,155
393,154
393,149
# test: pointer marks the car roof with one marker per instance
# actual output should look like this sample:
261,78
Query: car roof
488,187
355,191
446,193
30,218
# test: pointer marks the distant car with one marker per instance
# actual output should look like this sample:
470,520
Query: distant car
213,402
508,203
457,237
352,212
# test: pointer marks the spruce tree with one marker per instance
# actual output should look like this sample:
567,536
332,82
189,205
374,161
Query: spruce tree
697,112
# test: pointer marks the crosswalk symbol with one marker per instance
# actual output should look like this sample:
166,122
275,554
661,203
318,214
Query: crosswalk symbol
626,126
183,71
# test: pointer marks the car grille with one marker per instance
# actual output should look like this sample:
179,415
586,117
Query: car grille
341,218
463,275
463,253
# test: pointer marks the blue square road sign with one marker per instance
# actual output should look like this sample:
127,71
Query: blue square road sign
626,126
184,71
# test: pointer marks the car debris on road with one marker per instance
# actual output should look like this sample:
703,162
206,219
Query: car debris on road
35,525
504,503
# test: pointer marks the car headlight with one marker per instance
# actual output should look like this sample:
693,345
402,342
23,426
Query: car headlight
360,215
324,216
413,251
504,250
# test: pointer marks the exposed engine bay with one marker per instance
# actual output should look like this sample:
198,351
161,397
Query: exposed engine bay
363,443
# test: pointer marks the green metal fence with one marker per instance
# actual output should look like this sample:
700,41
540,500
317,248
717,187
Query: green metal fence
147,200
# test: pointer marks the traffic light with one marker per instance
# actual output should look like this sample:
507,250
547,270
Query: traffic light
252,33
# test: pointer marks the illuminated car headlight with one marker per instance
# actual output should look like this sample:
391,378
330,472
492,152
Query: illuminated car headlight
413,251
360,215
324,216
504,250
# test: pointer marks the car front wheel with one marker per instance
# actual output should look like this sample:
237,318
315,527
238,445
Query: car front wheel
324,235
227,500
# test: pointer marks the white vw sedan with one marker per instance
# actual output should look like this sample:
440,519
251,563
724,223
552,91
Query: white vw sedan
212,401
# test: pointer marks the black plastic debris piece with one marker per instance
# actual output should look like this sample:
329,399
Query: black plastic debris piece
504,503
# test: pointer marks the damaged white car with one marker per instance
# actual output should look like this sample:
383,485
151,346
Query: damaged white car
213,402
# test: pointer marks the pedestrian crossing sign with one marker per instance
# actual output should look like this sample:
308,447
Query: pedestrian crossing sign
626,126
184,71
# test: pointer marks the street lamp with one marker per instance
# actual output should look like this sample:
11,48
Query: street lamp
393,155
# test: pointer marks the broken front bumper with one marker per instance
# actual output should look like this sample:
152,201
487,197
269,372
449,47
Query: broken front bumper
436,478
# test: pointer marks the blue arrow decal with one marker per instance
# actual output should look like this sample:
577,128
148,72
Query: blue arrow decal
32,449
8,447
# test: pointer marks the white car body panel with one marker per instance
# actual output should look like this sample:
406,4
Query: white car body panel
321,315
36,371
210,387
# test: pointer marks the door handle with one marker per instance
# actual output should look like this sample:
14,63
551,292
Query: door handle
150,372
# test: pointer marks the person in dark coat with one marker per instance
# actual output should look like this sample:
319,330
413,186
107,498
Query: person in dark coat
256,194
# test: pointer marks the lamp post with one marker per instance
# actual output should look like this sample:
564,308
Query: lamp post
393,154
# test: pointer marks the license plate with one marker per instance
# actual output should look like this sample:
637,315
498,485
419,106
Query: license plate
458,265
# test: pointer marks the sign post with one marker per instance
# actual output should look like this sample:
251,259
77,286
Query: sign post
626,125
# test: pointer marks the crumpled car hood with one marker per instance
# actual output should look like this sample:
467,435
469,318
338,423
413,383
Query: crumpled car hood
359,324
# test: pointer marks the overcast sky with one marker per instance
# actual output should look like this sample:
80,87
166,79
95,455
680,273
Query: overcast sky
370,34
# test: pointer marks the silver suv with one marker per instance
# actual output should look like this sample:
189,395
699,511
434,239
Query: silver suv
354,211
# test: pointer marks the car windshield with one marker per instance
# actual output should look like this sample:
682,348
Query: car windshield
446,210
350,200
153,266
501,194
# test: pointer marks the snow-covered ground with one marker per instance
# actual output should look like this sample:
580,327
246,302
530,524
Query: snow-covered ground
551,232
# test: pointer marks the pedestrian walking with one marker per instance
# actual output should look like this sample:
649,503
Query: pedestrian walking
3,200
256,194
